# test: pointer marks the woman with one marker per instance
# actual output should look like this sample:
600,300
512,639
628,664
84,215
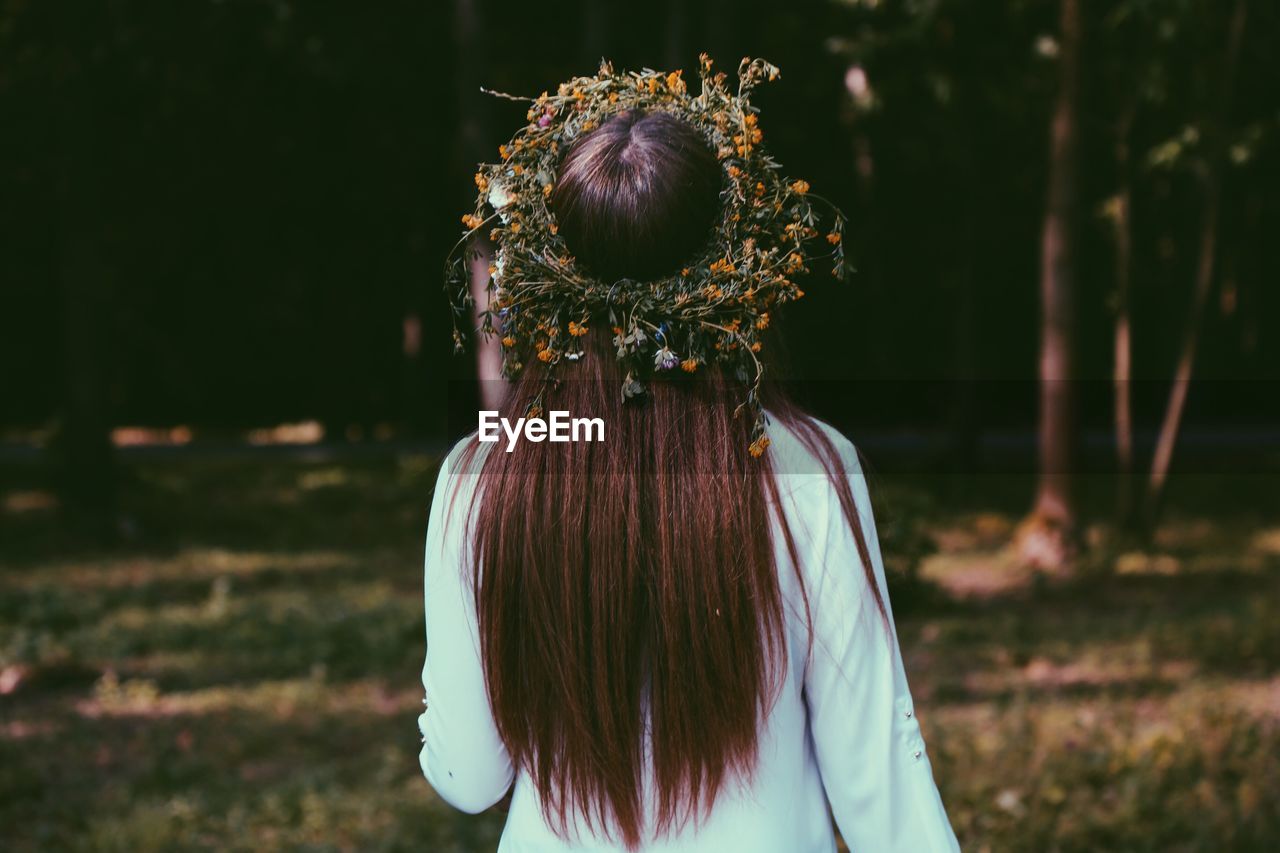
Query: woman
677,638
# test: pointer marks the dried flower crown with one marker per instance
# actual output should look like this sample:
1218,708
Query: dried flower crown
540,302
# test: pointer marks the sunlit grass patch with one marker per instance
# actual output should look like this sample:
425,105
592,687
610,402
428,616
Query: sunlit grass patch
244,674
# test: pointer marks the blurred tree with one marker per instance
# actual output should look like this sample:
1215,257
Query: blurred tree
1048,538
474,143
1208,169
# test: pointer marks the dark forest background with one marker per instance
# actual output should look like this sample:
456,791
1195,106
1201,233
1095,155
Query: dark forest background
227,214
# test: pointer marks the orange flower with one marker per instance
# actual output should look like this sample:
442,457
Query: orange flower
546,354
800,187
504,152
508,341
577,329
833,238
762,322
472,222
758,446
689,365
482,182
755,347
734,171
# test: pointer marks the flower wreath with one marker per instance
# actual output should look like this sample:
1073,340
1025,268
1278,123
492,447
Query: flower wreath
540,302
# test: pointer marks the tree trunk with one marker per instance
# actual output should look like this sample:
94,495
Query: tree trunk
1047,540
88,479
1122,363
1212,180
473,144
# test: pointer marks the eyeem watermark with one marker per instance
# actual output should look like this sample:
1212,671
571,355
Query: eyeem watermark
558,427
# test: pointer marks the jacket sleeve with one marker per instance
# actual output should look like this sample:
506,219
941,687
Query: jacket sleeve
462,756
866,735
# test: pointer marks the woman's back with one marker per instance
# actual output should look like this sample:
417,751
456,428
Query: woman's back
676,637
842,728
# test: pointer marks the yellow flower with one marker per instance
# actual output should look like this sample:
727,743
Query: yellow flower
734,171
519,170
472,222
758,446
762,322
504,152
493,269
515,227
750,120
508,341
482,182
689,365
674,83
800,187
577,329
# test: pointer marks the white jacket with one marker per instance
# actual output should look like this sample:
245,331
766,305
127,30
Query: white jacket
843,731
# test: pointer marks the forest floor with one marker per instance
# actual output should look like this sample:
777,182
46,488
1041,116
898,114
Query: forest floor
244,674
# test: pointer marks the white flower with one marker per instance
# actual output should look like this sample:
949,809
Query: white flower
498,197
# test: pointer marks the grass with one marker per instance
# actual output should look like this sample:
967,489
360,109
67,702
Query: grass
244,674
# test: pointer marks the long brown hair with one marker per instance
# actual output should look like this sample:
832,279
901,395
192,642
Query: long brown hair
626,591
